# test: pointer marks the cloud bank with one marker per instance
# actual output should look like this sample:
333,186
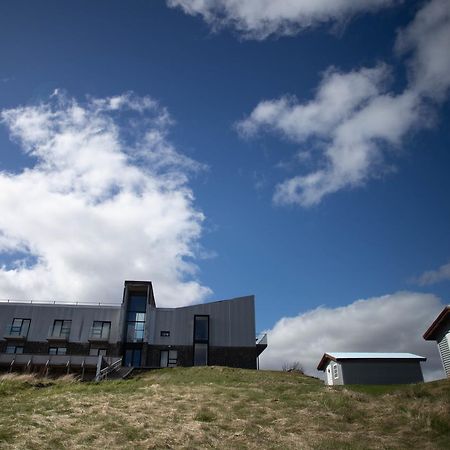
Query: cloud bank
356,123
391,323
104,199
258,19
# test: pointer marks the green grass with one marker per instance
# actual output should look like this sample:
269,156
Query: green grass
216,407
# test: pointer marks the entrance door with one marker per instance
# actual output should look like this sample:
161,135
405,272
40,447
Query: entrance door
329,375
132,357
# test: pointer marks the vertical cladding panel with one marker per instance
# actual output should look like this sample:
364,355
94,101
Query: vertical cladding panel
444,350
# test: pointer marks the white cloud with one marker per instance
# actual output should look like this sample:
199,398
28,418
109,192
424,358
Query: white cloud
104,199
391,323
355,123
434,276
258,19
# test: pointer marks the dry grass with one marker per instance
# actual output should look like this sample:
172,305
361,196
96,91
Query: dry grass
220,408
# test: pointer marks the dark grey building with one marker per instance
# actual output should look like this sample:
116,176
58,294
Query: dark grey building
135,333
439,331
371,368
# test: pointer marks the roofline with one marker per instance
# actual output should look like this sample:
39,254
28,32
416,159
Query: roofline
326,356
242,298
428,335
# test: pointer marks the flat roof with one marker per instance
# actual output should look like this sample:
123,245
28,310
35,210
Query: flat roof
339,356
430,334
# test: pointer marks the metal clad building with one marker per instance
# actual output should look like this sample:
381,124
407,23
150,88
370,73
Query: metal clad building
135,331
371,368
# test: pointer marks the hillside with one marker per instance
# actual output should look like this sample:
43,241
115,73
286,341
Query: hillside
214,407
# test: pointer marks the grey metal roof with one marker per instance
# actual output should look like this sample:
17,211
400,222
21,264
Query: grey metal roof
372,355
339,356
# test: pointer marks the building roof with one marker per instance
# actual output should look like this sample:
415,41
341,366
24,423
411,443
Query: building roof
430,334
339,356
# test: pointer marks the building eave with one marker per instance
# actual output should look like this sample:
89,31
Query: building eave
429,335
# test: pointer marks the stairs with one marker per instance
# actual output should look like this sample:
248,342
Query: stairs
120,374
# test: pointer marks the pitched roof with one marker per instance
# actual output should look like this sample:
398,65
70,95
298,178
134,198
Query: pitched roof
339,356
429,335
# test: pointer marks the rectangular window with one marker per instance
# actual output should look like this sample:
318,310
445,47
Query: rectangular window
165,333
61,328
201,328
57,350
335,371
136,312
19,327
14,349
100,330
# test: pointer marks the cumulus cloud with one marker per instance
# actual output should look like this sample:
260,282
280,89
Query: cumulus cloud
104,199
434,276
258,19
391,323
356,122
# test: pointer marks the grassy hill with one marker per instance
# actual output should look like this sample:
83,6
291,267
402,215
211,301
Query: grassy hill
215,407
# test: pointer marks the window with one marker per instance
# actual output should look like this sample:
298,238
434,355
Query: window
96,351
201,340
61,328
100,330
57,350
19,327
14,349
168,358
201,329
335,371
165,333
136,309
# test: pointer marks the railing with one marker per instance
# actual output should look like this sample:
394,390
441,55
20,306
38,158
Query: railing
62,302
103,373
261,339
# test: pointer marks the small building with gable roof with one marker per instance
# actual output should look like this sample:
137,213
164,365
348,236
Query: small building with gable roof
371,368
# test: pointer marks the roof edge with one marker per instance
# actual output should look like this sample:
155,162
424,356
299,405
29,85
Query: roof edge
429,334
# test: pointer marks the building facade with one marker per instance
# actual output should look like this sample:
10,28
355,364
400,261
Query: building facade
135,331
371,368
439,331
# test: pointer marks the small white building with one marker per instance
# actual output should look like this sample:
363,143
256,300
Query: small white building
439,331
371,368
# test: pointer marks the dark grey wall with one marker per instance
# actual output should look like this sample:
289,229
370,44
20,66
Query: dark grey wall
231,323
381,372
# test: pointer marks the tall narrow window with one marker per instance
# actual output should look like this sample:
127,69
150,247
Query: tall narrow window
201,340
136,310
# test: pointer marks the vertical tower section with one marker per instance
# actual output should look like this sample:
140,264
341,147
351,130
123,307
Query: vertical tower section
138,297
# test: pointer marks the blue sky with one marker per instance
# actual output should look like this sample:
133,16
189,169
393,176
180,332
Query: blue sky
371,238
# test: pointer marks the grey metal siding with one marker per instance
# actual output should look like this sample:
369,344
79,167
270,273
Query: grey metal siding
43,316
381,372
232,323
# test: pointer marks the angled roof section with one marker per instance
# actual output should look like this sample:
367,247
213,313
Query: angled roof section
340,356
430,334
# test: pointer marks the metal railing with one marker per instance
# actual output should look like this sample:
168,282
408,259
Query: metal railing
261,339
62,302
103,373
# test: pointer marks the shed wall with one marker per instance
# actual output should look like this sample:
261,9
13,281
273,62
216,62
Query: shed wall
381,372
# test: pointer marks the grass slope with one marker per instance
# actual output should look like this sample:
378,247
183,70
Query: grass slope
215,407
